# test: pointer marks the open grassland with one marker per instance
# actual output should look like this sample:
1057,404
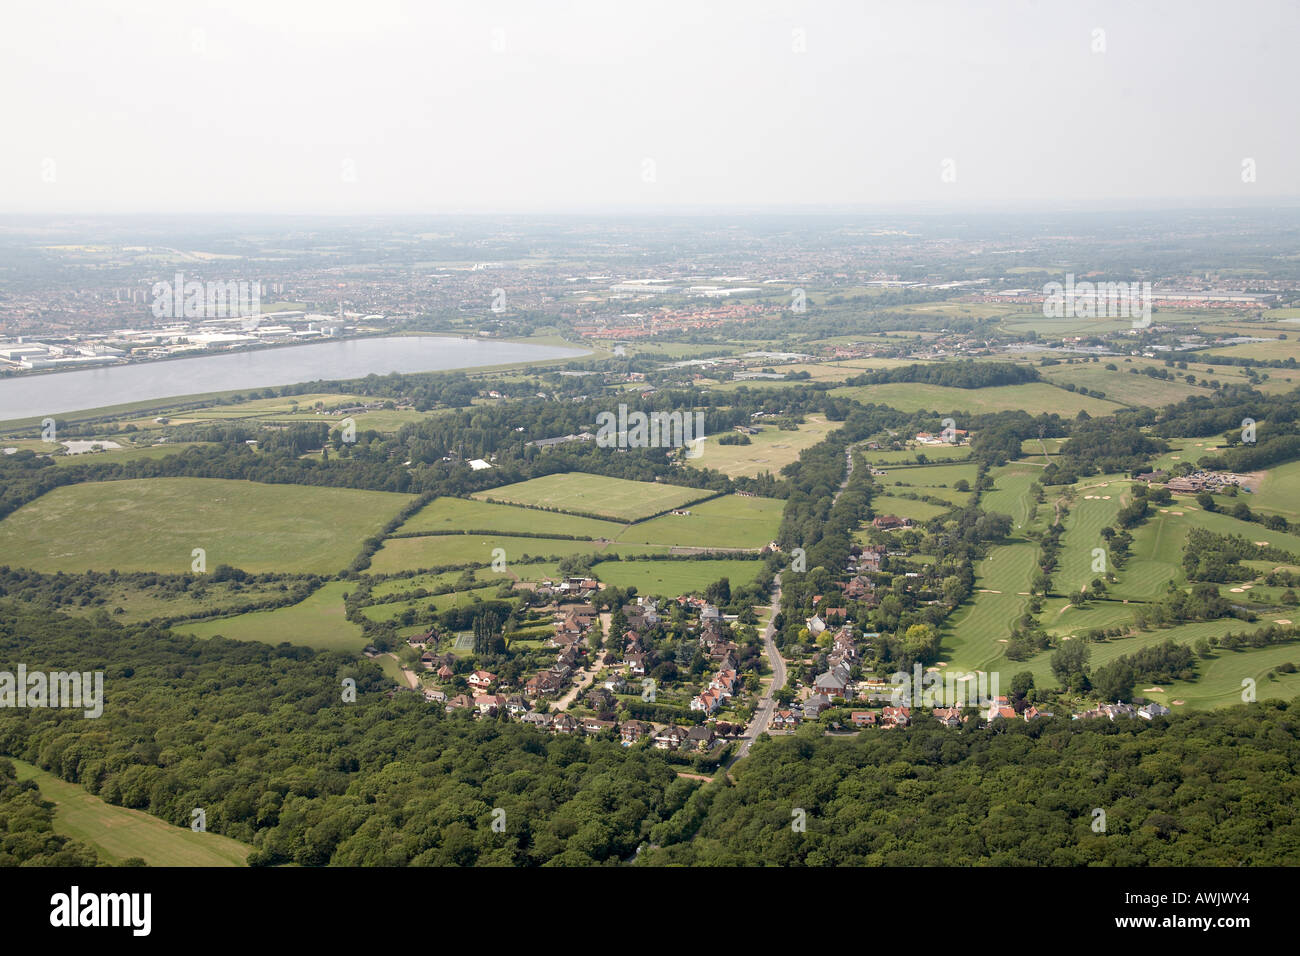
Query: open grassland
905,508
915,397
671,578
316,622
119,834
447,515
908,456
1120,386
770,450
139,603
929,476
154,524
125,454
437,551
437,603
614,498
1262,351
732,521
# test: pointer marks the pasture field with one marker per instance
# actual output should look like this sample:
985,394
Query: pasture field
448,515
140,603
770,450
1279,493
1120,386
125,454
437,603
916,397
153,524
908,456
671,578
118,834
905,508
614,498
446,550
930,476
1262,351
732,521
317,622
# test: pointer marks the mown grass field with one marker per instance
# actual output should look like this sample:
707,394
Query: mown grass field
908,456
154,524
436,551
1093,508
316,622
915,397
446,515
929,476
671,578
732,521
975,635
770,450
905,508
613,498
119,834
1279,493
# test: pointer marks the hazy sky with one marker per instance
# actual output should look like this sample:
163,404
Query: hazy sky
391,106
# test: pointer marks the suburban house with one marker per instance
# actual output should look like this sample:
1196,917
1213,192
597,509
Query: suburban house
481,680
895,717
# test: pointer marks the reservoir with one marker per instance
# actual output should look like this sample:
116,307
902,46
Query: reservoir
36,396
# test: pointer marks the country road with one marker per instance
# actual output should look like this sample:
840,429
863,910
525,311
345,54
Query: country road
767,703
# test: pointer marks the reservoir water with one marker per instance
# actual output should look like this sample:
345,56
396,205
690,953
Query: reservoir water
32,396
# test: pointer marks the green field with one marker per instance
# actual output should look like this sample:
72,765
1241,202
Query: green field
153,524
436,551
316,622
905,508
614,498
671,578
1092,509
119,834
915,397
770,450
445,515
436,603
731,521
929,476
1121,386
1279,493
